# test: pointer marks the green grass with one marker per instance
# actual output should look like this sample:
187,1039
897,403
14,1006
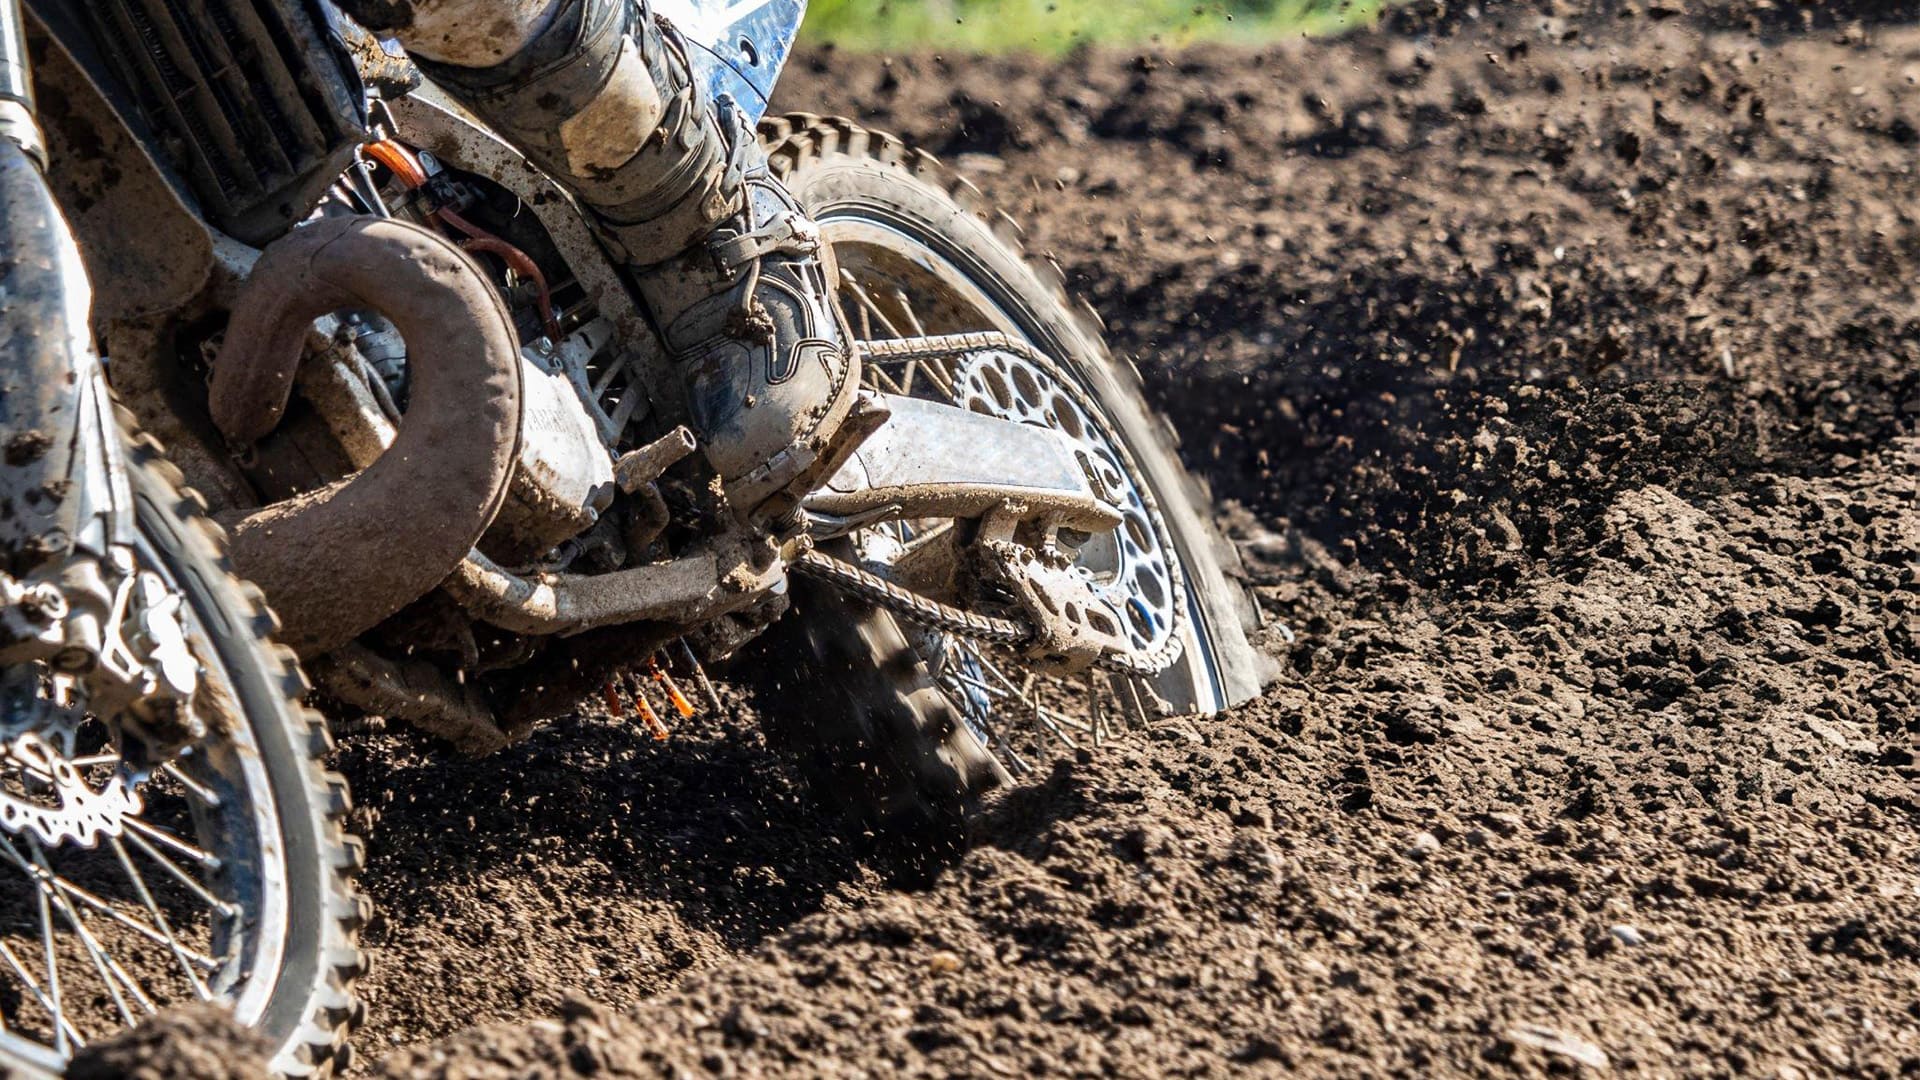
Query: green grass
1054,26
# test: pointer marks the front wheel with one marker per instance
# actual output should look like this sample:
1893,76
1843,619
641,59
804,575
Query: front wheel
220,873
918,254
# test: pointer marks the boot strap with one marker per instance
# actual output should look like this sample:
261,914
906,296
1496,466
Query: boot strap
790,233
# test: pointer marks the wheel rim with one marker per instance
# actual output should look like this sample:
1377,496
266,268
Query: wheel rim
895,284
124,906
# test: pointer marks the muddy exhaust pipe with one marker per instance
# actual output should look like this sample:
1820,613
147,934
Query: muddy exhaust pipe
337,561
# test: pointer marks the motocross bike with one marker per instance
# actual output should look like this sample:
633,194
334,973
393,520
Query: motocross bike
424,410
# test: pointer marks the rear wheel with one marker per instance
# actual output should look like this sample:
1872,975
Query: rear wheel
919,254
222,873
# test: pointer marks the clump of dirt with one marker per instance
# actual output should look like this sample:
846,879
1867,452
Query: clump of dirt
195,1042
1562,376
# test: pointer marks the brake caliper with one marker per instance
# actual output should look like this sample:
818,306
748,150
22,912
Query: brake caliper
120,632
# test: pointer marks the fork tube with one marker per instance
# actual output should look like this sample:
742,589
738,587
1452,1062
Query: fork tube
62,477
16,86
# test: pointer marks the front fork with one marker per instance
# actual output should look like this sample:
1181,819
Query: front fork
69,583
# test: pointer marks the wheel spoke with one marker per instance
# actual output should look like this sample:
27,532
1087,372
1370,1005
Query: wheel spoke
1140,711
1025,693
131,923
200,791
999,739
180,952
185,879
53,970
43,876
169,840
868,305
1047,716
886,381
111,973
1046,721
942,380
906,310
1095,712
64,1031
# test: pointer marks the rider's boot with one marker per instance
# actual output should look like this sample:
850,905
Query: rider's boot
599,93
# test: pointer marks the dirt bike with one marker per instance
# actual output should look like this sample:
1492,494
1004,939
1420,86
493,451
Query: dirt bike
426,414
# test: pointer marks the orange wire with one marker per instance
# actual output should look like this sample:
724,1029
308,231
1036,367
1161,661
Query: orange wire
648,718
680,703
402,162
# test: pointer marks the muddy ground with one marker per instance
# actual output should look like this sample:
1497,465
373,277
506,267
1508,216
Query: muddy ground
1559,380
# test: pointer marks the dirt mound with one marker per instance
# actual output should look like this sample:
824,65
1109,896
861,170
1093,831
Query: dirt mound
1565,388
196,1042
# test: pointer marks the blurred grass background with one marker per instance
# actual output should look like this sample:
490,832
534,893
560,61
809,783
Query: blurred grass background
1055,26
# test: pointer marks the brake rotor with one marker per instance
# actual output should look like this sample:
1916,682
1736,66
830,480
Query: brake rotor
48,789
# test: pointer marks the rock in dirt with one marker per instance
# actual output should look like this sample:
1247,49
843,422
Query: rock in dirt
1560,1044
1627,935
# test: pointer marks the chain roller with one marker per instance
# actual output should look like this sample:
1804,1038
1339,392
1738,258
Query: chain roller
930,613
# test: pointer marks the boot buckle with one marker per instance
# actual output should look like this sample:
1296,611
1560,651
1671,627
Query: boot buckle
791,233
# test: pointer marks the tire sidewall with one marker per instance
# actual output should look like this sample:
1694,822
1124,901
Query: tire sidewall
239,630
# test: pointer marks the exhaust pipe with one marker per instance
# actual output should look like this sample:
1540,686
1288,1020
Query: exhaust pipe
337,561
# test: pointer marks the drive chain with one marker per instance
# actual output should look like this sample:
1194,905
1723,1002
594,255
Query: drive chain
947,619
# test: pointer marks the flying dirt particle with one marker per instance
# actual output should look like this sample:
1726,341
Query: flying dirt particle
1627,935
1560,1044
945,963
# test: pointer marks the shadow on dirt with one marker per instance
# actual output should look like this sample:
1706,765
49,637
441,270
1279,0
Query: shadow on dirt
621,807
587,855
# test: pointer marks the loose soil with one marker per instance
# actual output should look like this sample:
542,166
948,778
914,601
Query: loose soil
1560,382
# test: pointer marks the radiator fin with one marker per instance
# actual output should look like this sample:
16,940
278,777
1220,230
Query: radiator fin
253,106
